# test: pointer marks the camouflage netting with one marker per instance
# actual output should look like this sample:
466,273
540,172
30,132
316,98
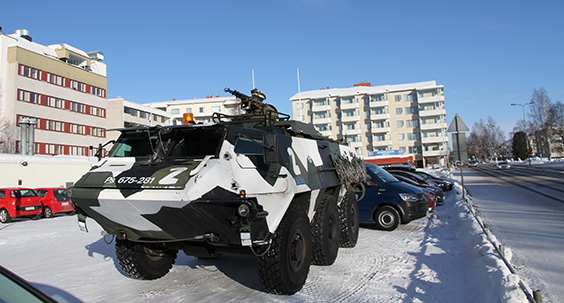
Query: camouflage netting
350,171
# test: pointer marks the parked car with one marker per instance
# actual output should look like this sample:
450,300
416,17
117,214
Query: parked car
443,184
437,195
472,163
17,289
502,165
420,180
19,202
389,202
55,200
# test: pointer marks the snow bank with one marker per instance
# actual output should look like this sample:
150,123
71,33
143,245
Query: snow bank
498,282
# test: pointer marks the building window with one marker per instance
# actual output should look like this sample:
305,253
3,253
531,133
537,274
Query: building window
188,110
348,101
350,113
175,111
380,137
400,123
299,106
201,109
350,126
320,102
321,115
397,98
413,123
401,137
411,110
410,97
216,109
415,149
413,137
399,111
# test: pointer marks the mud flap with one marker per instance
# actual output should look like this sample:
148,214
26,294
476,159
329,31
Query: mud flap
82,222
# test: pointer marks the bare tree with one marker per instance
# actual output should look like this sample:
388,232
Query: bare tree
556,126
7,137
538,111
486,139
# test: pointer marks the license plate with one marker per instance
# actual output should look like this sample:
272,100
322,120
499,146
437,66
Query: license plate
65,203
30,208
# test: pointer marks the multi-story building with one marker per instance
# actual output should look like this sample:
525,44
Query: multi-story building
124,114
403,119
58,90
201,109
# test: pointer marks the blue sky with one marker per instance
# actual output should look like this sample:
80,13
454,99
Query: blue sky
487,54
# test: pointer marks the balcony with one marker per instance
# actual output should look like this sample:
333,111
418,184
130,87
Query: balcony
351,131
435,153
349,106
434,112
428,126
437,139
436,98
350,118
379,117
321,120
380,130
384,143
320,108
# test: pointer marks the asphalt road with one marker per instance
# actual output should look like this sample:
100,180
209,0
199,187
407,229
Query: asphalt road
524,209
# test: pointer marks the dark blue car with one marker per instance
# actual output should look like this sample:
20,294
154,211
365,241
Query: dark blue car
389,202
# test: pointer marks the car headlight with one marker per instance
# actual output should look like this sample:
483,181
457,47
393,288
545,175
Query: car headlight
409,197
243,210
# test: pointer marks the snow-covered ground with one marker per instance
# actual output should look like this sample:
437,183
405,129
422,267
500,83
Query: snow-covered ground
444,258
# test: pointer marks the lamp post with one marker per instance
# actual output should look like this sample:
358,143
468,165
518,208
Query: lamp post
525,125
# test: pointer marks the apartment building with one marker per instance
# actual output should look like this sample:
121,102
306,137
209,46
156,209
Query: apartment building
379,121
125,114
202,109
56,94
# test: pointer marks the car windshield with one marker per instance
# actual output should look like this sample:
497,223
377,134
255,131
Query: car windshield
189,142
382,174
61,194
24,193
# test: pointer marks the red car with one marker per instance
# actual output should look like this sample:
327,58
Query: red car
55,200
19,202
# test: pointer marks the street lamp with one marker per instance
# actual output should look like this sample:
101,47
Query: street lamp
525,125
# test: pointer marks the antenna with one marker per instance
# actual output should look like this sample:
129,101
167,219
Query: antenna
300,97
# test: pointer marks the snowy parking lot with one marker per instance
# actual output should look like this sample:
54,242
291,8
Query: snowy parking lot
444,258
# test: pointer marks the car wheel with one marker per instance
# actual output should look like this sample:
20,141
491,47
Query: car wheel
47,212
387,218
326,232
144,261
349,220
5,216
283,268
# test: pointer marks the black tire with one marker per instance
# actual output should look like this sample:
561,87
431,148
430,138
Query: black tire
144,261
47,212
349,220
387,218
283,268
5,216
326,232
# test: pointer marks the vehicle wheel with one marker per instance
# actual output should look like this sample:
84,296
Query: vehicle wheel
326,232
5,216
144,261
387,218
283,268
47,212
348,213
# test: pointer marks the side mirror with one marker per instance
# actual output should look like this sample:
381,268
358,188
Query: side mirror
270,148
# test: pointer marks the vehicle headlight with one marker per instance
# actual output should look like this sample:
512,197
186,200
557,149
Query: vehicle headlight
409,197
243,210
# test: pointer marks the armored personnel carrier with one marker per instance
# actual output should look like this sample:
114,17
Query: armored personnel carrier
256,183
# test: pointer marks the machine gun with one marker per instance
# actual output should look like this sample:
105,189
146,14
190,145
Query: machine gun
253,105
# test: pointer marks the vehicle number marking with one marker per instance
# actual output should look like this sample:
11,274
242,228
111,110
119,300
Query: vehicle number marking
130,180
